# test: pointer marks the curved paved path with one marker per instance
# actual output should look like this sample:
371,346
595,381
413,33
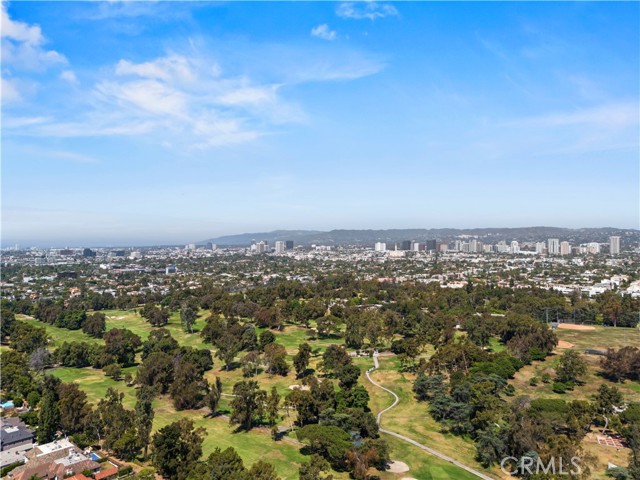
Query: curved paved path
410,440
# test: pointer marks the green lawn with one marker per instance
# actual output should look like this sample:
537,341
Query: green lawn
411,418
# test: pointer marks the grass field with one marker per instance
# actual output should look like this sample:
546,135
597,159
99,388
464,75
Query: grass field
411,418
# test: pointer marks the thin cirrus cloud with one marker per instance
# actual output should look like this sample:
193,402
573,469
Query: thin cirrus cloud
366,10
324,32
22,46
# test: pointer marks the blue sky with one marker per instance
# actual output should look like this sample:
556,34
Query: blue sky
146,123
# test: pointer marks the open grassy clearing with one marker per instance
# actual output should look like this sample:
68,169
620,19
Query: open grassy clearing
59,335
411,418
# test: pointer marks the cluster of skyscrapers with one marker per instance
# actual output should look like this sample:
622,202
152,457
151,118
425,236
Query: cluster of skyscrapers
553,246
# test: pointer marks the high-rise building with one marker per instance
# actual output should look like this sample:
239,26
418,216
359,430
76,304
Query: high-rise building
515,247
288,244
614,245
593,247
540,247
405,245
430,245
380,247
565,248
87,252
280,247
262,247
553,246
473,246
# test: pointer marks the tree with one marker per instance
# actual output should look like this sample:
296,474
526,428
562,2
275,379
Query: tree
188,315
156,371
622,364
273,407
122,344
316,469
301,359
328,324
39,359
188,387
330,442
73,408
49,420
113,370
28,338
571,367
114,421
248,404
262,470
221,465
176,448
95,325
144,417
334,357
428,387
228,347
348,376
212,399
275,356
266,338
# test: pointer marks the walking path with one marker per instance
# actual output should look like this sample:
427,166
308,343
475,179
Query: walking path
436,453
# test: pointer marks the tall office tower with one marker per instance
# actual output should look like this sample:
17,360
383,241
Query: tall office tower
280,247
405,245
565,248
540,247
380,247
431,245
288,244
261,247
515,247
473,246
553,247
417,246
614,245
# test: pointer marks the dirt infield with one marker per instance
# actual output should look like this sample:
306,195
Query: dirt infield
563,344
574,326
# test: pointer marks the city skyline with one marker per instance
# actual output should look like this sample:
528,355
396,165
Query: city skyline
171,123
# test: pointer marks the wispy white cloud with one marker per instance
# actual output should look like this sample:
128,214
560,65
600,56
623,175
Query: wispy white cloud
69,76
607,116
9,92
323,31
366,10
22,45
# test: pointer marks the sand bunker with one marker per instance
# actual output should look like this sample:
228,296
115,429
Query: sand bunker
298,387
563,344
396,466
573,326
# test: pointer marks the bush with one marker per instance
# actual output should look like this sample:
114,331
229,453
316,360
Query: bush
5,470
546,377
560,387
534,381
123,472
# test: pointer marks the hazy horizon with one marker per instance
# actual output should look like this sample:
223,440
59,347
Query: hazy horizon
170,123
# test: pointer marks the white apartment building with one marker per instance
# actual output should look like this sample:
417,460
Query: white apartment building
380,247
614,245
280,247
553,246
540,247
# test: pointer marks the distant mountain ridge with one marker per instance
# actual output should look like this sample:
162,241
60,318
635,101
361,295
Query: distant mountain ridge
369,237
